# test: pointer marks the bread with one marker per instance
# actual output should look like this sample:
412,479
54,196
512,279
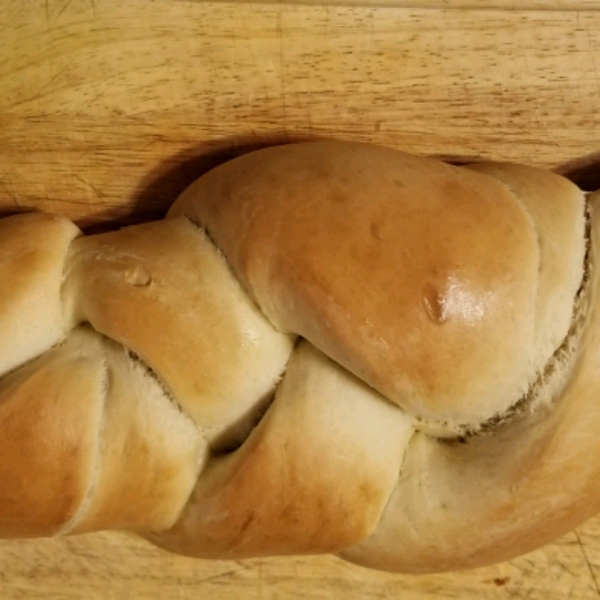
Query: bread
324,347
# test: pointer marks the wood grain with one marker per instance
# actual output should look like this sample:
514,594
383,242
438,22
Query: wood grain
521,5
109,108
118,566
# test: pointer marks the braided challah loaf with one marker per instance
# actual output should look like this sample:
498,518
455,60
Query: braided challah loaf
324,347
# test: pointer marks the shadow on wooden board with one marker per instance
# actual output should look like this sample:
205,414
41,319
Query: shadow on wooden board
165,183
162,186
584,171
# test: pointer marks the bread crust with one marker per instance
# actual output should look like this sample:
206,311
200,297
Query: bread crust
324,347
500,495
419,277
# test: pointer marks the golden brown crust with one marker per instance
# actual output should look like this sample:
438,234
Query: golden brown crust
162,291
150,453
418,277
556,209
32,256
281,382
50,413
284,491
532,480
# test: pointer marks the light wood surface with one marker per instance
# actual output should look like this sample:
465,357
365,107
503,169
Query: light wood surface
109,108
562,5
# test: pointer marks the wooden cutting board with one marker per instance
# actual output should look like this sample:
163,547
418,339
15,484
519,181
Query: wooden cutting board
109,108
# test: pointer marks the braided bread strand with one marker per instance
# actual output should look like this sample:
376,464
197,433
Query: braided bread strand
323,347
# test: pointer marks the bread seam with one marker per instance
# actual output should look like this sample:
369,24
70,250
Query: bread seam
461,432
414,433
80,513
34,358
203,431
565,353
162,385
248,292
513,192
61,291
227,442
